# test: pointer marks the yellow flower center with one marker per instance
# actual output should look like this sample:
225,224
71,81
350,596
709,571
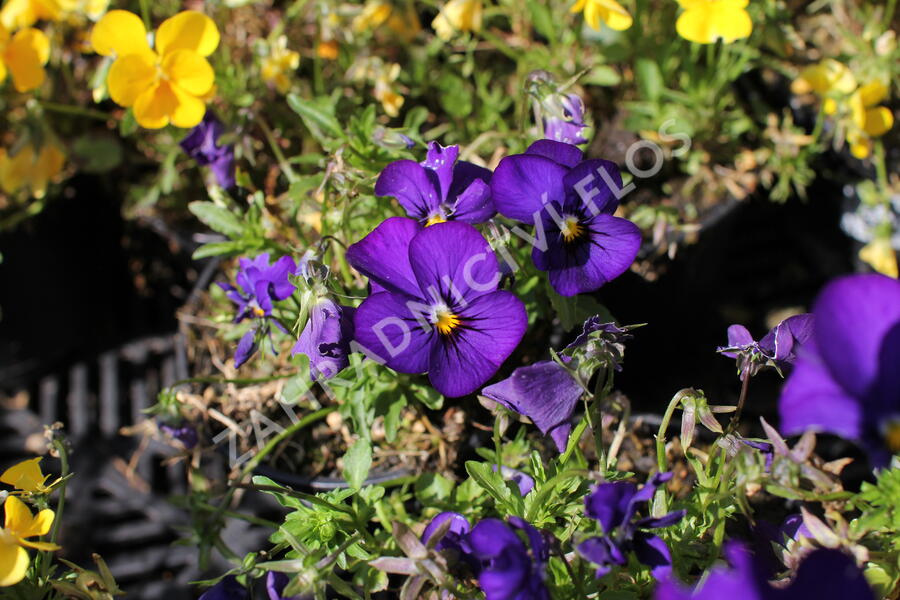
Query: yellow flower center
571,229
446,322
258,311
892,436
434,220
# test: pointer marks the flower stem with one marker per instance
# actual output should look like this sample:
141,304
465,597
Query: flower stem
661,462
276,150
78,111
736,419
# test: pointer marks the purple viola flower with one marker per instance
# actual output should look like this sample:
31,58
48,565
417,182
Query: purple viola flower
326,338
571,202
259,286
564,119
438,309
512,570
846,380
202,144
184,433
614,505
778,348
545,392
824,575
440,188
227,589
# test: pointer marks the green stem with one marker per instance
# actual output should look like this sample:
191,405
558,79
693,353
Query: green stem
61,505
78,111
145,14
603,383
661,461
276,150
736,419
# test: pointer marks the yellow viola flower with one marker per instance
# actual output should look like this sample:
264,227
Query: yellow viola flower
457,16
19,525
279,64
390,100
26,476
828,79
24,55
373,15
705,21
402,22
30,168
18,14
164,85
608,11
880,255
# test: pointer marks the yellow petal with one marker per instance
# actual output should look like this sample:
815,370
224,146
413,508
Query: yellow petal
190,71
873,92
878,120
153,107
616,17
25,57
13,561
38,525
129,77
25,476
373,14
189,30
860,145
17,14
706,23
829,106
880,255
48,165
15,169
2,71
18,517
121,33
189,109
578,6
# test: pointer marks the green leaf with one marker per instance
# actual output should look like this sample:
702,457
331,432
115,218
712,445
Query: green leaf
218,248
218,218
493,483
97,152
603,75
357,462
128,124
542,19
456,96
298,385
318,116
649,79
432,488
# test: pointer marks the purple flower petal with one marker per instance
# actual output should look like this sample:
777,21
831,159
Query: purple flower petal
652,551
523,183
602,552
227,589
470,193
539,546
544,392
853,316
523,481
610,504
383,255
811,399
587,181
782,343
459,526
664,521
440,161
559,152
490,537
492,326
827,575
386,327
586,265
453,263
409,183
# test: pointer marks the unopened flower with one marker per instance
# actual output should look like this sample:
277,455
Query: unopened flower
23,55
601,341
279,64
546,393
608,11
326,338
440,188
440,310
458,16
202,145
26,476
614,505
564,119
165,85
846,381
391,139
824,575
706,21
31,168
512,569
779,348
571,202
20,525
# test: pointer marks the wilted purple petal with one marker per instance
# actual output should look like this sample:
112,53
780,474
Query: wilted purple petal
326,338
